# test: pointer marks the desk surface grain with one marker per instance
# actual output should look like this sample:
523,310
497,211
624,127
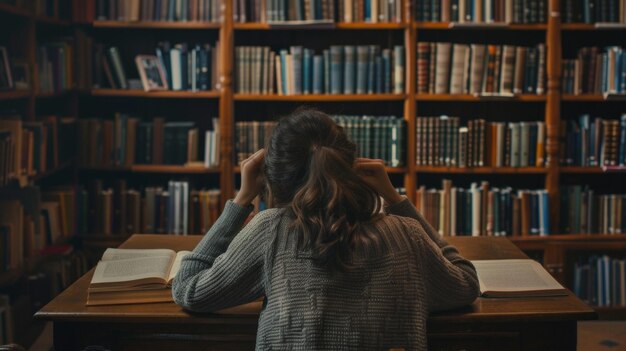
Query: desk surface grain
70,304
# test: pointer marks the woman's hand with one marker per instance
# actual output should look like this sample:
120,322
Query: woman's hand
252,178
374,174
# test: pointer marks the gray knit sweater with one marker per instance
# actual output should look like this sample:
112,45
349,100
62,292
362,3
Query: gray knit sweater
383,303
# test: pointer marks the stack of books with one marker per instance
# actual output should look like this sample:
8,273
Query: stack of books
251,136
378,137
447,68
482,11
28,148
584,211
338,70
601,281
484,210
441,141
158,10
174,209
595,71
593,11
186,67
593,142
126,141
55,62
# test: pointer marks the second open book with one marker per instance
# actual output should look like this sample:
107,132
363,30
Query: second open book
134,276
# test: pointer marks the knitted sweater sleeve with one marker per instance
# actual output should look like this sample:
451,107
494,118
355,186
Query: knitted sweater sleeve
451,280
225,269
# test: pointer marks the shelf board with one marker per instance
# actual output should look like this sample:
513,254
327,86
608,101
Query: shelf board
340,25
320,97
14,10
582,97
570,238
156,25
156,94
393,170
479,26
162,169
593,26
481,170
470,97
14,94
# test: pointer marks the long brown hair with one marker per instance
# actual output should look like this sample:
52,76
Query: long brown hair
309,170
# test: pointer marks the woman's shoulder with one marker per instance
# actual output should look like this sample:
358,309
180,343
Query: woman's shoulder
403,226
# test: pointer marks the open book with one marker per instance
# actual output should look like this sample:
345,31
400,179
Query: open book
515,278
134,276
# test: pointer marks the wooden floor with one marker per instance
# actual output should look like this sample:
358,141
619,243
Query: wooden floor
602,335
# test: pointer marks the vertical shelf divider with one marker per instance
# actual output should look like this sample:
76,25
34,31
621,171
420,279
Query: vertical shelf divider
226,109
410,179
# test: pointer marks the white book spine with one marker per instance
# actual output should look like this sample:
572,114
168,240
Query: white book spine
453,212
177,79
185,204
475,191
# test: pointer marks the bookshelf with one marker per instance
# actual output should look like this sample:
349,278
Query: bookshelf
230,106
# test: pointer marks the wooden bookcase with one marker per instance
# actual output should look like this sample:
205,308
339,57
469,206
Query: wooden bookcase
553,249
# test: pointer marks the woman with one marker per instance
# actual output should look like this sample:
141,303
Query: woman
336,272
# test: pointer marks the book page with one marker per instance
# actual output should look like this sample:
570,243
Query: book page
514,275
123,254
176,265
132,269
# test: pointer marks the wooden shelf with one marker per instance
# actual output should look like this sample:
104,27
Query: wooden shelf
470,97
14,10
156,94
592,26
162,169
156,25
479,26
481,170
570,238
14,94
583,97
340,25
320,97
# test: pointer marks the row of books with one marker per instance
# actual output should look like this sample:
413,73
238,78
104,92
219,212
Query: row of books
126,141
595,71
484,210
34,221
317,11
450,68
55,62
251,136
174,209
156,10
338,70
601,281
584,211
378,137
28,148
441,141
184,67
593,11
594,142
482,11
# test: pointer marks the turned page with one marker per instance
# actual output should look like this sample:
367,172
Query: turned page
123,254
511,276
133,269
176,265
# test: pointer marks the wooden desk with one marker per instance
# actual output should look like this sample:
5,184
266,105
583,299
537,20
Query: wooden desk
547,323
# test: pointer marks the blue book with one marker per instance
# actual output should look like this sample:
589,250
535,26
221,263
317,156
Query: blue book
296,59
583,122
336,69
371,58
157,11
361,69
368,10
306,71
387,71
620,81
318,74
283,69
171,11
622,141
546,213
349,80
326,65
605,73
378,74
